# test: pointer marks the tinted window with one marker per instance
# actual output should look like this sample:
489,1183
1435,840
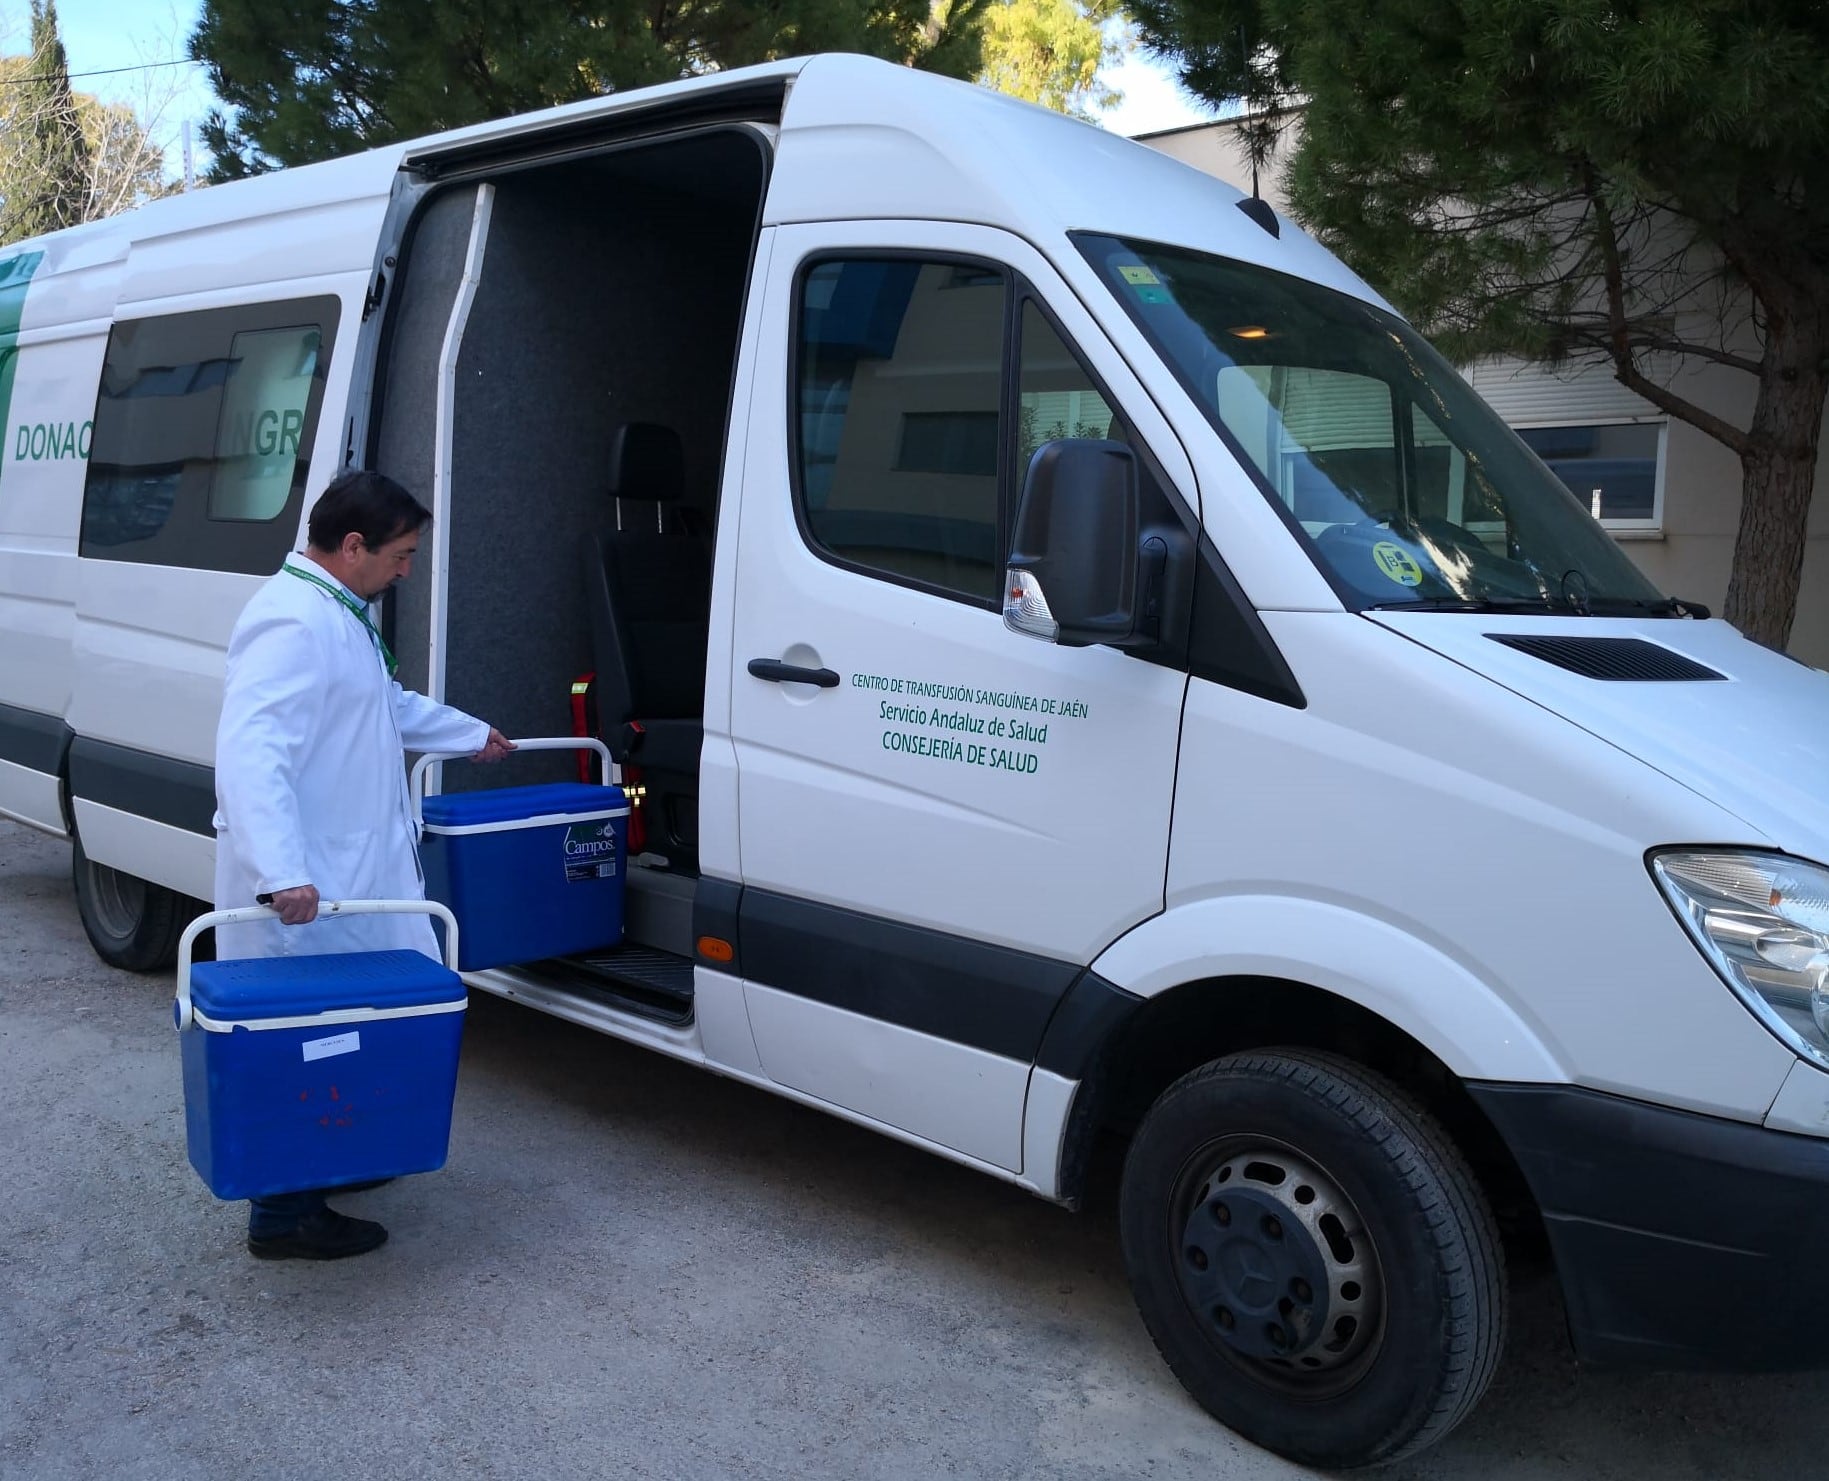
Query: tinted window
202,438
1057,399
260,431
900,420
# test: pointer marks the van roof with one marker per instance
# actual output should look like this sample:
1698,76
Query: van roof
859,139
863,139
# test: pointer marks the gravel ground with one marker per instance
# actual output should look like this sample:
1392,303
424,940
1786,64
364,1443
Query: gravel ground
631,1268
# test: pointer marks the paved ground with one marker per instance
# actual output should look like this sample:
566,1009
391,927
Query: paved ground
633,1269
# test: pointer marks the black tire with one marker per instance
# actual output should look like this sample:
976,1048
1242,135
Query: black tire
131,922
1335,1187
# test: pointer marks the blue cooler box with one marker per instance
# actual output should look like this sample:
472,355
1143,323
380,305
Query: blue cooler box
307,1072
529,872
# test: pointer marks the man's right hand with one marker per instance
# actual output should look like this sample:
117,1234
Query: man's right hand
297,907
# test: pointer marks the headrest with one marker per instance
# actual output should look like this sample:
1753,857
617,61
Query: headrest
647,461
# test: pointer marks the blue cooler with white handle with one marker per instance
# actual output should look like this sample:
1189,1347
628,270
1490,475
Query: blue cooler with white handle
309,1072
529,872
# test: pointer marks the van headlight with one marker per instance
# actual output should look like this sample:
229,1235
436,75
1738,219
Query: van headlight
1763,920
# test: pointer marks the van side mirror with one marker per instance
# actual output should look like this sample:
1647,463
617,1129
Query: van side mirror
1073,561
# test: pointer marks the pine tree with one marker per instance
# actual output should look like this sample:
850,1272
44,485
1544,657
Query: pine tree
309,79
45,175
1645,183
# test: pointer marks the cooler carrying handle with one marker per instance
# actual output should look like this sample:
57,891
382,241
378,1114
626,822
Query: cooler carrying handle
181,1009
537,743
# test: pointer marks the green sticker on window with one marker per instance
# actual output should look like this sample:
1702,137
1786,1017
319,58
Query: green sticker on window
1144,283
1397,564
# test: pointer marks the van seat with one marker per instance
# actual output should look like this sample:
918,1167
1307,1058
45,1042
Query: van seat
648,585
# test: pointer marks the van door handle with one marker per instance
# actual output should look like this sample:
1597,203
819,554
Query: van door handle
777,672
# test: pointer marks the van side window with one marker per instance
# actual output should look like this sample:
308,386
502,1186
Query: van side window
262,422
202,435
899,420
1057,398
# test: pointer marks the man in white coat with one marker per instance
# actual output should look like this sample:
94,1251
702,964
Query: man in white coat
311,789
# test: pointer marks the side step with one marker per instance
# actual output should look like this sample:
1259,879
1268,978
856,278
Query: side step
637,979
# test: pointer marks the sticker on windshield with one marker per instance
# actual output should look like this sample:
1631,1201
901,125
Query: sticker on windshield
1147,285
1397,564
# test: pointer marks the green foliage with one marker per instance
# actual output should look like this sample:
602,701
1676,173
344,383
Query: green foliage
1576,134
1050,52
65,157
44,158
1456,151
309,79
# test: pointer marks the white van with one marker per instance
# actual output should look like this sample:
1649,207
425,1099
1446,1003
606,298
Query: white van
1097,674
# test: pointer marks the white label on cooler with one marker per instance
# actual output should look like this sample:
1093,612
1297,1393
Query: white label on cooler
347,1043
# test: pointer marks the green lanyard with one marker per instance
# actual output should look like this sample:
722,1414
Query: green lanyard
361,612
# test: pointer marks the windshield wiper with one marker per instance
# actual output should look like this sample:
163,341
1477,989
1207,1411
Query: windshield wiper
1471,604
1660,607
1591,607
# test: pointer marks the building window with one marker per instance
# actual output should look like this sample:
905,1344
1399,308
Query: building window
1616,469
203,433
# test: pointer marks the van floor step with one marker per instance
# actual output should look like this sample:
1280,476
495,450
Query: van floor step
642,979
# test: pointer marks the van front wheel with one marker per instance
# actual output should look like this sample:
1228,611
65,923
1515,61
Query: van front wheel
1313,1257
131,922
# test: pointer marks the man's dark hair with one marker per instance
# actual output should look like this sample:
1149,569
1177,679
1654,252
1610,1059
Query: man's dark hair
369,503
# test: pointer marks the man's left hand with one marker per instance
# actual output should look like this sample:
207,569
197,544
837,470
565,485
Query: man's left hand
496,747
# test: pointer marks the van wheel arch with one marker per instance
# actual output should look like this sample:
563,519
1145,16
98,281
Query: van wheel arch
131,923
1177,1031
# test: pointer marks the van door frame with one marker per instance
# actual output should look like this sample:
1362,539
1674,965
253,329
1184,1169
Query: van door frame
419,179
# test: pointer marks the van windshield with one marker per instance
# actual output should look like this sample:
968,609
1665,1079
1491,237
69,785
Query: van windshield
1408,489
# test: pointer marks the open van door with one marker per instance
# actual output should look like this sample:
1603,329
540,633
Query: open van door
941,821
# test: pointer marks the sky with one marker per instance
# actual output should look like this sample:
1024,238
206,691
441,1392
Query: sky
1153,100
102,35
147,38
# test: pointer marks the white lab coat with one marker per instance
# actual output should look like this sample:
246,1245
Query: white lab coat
311,784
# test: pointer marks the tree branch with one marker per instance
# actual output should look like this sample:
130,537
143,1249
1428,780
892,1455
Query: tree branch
1625,370
1704,352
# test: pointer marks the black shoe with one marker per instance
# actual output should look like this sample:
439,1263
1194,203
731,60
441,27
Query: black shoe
325,1235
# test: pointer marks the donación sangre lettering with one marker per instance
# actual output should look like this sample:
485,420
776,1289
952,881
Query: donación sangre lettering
36,441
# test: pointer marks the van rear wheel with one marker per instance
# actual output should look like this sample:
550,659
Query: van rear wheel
1313,1257
131,922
